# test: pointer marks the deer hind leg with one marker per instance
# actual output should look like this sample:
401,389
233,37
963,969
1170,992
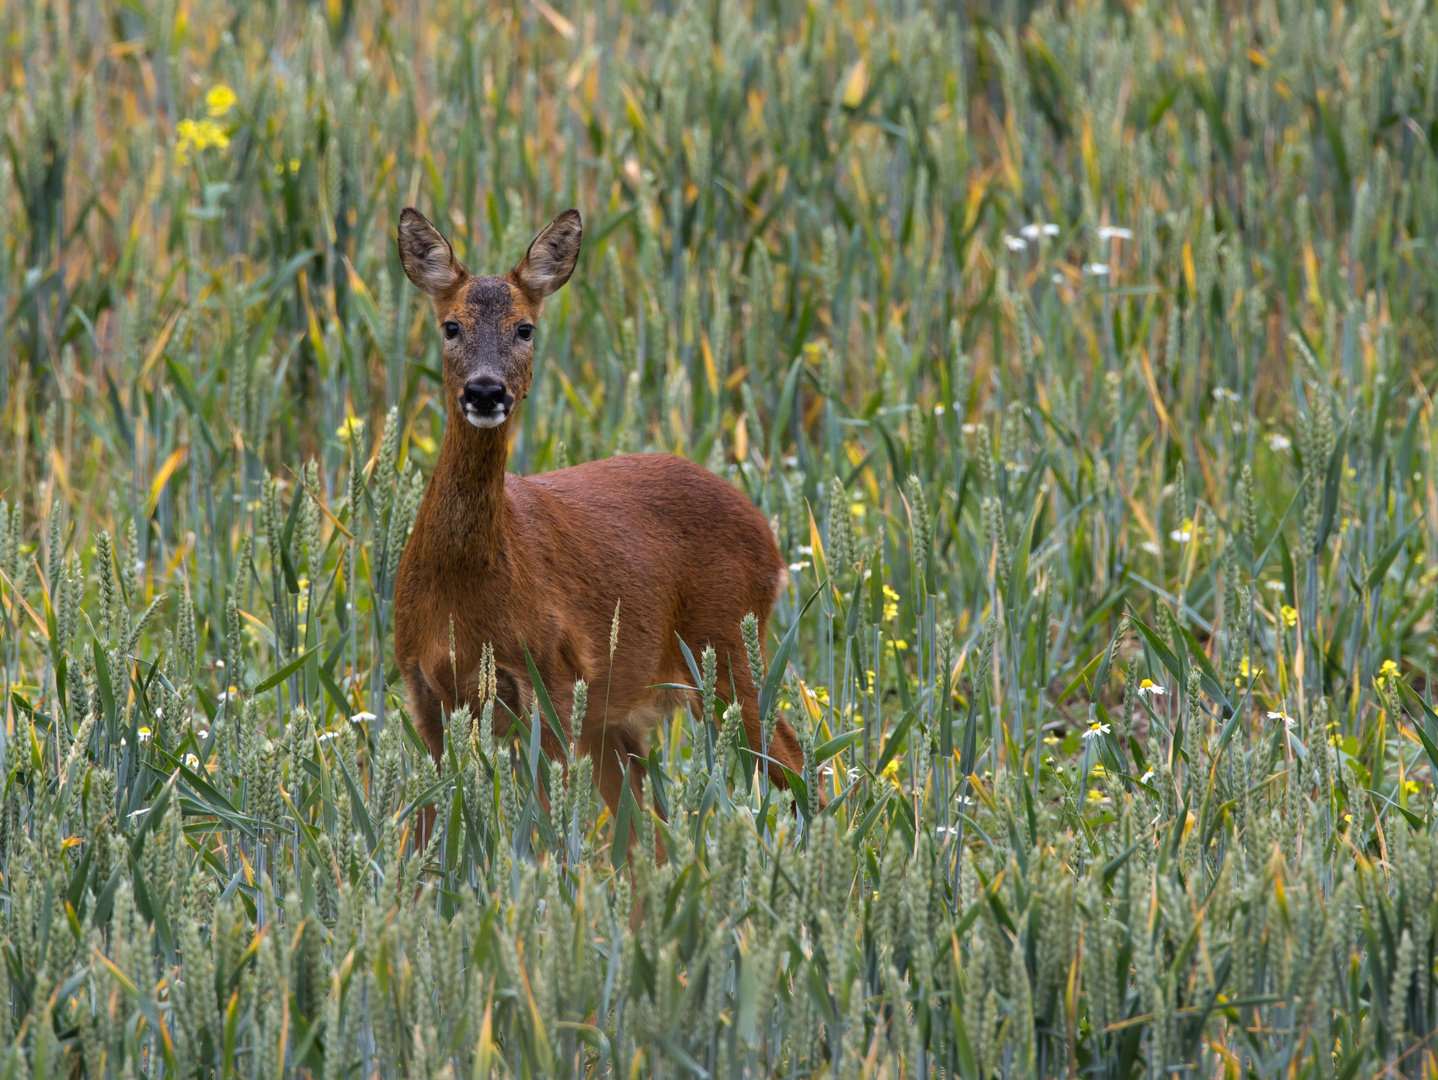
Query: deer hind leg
427,712
783,744
616,749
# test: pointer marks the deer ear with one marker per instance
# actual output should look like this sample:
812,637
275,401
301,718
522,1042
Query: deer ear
427,258
550,260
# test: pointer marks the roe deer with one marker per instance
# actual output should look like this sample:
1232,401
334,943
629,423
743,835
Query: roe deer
541,561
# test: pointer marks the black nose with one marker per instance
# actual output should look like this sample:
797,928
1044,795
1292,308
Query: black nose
484,395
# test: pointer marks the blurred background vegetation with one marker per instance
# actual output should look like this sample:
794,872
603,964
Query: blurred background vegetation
1081,355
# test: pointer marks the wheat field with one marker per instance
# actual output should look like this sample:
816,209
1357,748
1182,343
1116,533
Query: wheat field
1080,355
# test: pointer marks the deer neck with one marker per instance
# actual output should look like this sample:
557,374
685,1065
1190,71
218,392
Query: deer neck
468,485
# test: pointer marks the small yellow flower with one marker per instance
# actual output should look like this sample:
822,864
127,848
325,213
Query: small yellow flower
1388,669
220,100
294,164
891,772
194,135
352,427
891,603
1412,787
1290,615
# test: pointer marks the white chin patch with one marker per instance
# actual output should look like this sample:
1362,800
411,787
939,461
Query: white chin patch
486,420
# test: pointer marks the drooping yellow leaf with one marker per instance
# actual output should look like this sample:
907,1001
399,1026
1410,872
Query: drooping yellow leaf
159,347
709,370
1089,150
62,473
856,84
1310,272
555,19
162,477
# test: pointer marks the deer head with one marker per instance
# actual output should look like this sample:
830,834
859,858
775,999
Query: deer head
487,323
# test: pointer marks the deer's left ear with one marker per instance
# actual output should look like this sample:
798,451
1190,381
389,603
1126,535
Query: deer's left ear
550,260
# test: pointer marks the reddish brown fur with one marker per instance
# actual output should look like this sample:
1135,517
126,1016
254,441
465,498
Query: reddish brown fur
541,561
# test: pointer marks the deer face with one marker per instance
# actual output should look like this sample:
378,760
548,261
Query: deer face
487,323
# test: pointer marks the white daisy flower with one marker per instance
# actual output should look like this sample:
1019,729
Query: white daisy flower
361,717
1015,243
1096,269
1148,686
1278,443
1095,730
1114,232
192,762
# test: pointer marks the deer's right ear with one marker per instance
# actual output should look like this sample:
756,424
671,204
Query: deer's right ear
426,256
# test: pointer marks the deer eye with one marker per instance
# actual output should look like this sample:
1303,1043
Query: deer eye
451,330
525,331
